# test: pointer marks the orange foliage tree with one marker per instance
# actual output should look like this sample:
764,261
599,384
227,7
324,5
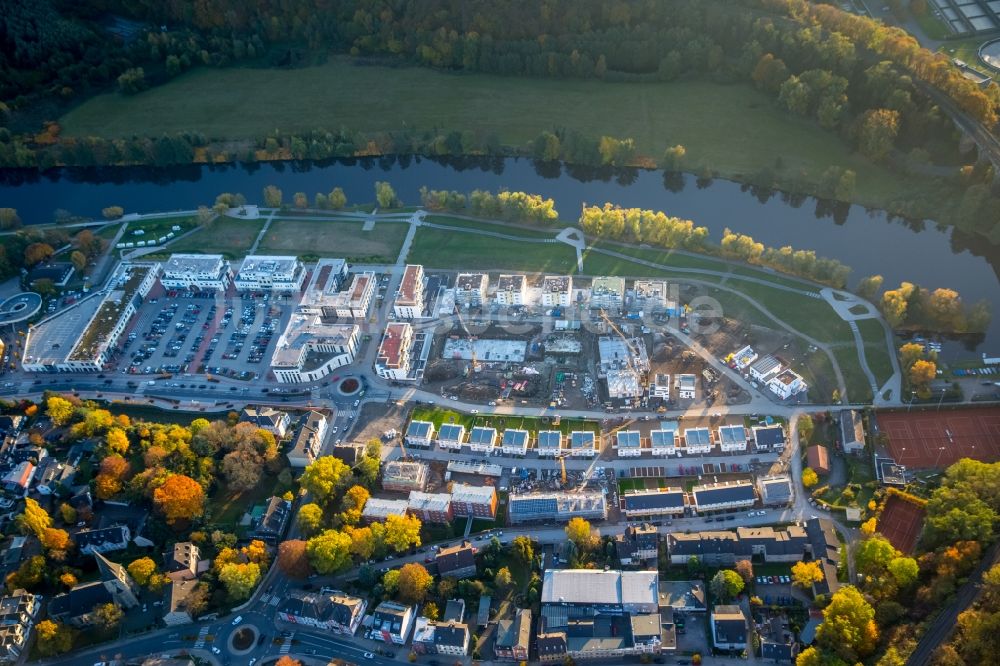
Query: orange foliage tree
180,497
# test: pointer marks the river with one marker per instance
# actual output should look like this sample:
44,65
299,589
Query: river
869,241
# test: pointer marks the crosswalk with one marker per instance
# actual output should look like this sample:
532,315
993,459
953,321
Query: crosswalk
272,599
200,643
286,645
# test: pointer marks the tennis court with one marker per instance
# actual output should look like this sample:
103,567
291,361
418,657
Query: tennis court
936,439
900,522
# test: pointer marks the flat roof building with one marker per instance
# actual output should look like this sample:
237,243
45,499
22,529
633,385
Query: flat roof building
697,441
475,501
583,444
732,438
80,338
270,273
557,291
511,290
663,441
451,436
430,507
607,292
377,509
393,360
325,293
409,303
419,434
775,490
196,271
482,439
514,442
628,443
529,507
769,438
310,349
549,443
470,289
631,591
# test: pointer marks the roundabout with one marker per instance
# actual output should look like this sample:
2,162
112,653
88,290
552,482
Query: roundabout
243,639
20,307
348,386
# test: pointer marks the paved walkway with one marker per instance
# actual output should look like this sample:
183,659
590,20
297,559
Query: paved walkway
263,232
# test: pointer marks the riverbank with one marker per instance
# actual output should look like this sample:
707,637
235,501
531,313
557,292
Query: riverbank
417,109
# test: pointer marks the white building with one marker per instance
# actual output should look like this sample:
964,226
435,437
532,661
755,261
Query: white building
549,443
697,441
628,443
557,291
409,303
196,271
514,442
270,273
391,622
664,441
653,296
607,293
470,289
732,438
582,444
482,440
686,386
511,290
420,434
786,384
741,359
325,294
764,368
328,611
310,349
659,388
451,436
82,337
393,360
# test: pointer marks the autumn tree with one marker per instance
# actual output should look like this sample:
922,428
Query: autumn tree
36,253
431,611
293,560
300,200
142,570
904,570
726,584
272,197
910,353
116,441
112,212
336,199
848,629
805,427
806,574
34,519
401,532
896,303
179,498
352,504
503,579
325,477
9,218
414,583
78,259
809,477
56,542
921,374
310,518
107,617
872,555
59,409
869,287
285,660
113,472
53,638
29,574
386,196
239,579
579,532
745,569
329,552
877,131
523,549
68,580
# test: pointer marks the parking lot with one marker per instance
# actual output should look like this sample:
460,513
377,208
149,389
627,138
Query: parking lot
229,335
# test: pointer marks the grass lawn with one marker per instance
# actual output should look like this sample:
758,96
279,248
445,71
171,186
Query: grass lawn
934,27
108,231
967,50
154,227
223,235
437,248
876,350
709,119
858,389
860,485
323,238
497,227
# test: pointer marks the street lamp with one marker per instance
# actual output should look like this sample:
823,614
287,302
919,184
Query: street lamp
913,395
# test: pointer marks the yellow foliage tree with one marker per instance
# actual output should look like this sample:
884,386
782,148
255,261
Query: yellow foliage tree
809,477
804,574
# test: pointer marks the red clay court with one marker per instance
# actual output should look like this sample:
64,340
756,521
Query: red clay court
936,439
900,522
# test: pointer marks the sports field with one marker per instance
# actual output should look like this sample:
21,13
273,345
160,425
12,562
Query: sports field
711,120
937,438
323,238
900,522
